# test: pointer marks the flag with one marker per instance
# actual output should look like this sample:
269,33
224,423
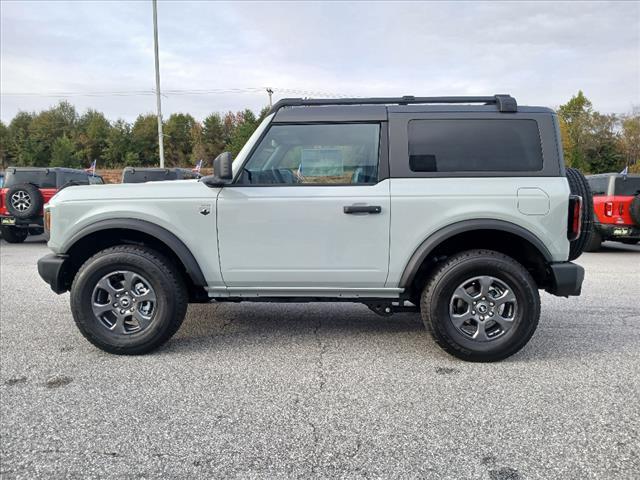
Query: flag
625,172
197,168
91,169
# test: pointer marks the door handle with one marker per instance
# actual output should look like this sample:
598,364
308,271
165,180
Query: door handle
362,209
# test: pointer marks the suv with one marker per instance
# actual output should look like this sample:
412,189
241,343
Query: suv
24,193
616,208
461,212
142,175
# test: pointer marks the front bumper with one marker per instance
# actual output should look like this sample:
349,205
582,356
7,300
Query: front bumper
51,269
566,279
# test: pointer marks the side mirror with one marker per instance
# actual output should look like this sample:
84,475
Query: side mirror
222,166
222,171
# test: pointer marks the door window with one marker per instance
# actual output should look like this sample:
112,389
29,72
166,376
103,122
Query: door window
334,154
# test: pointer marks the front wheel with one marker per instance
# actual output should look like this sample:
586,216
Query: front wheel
14,234
128,300
481,306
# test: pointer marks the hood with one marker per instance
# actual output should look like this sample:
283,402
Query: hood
133,191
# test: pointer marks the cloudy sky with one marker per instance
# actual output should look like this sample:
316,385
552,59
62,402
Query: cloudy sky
218,56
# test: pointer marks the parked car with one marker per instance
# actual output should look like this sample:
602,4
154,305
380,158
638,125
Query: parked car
142,175
616,208
24,193
461,212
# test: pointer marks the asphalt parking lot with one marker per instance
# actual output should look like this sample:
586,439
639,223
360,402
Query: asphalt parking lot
321,390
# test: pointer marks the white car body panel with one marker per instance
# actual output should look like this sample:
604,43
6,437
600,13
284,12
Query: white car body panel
299,236
422,206
172,205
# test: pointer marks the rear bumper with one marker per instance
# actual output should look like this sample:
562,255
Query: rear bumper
617,232
51,269
10,221
566,279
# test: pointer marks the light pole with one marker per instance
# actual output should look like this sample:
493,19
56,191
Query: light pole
270,92
155,45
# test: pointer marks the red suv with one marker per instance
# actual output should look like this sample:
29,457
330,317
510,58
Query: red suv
24,193
616,207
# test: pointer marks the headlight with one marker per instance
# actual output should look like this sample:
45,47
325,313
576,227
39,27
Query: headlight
47,218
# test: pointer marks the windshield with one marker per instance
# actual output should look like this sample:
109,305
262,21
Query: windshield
242,155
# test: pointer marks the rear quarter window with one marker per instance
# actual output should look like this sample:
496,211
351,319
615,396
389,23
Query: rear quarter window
41,179
474,145
599,185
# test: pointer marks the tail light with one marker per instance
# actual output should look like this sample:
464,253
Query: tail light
574,226
608,209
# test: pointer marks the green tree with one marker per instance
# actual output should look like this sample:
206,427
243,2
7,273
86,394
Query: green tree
629,141
178,139
19,143
63,153
46,127
92,132
575,117
213,136
601,145
119,145
246,125
144,140
4,146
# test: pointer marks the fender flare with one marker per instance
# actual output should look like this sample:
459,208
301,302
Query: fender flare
165,236
436,238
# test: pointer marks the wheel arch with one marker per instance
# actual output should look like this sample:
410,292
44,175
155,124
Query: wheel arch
107,233
491,234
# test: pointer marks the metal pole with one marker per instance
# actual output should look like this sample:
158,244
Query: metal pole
270,92
155,45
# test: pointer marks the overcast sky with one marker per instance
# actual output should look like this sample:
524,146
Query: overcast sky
541,52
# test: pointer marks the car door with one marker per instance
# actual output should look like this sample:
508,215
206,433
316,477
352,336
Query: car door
308,210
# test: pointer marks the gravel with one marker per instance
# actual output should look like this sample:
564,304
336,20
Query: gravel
321,390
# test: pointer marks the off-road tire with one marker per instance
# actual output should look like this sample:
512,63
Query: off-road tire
439,290
163,276
579,185
595,243
14,234
634,209
36,200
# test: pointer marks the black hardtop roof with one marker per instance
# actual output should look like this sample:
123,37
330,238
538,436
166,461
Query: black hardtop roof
619,175
45,169
156,169
502,101
377,109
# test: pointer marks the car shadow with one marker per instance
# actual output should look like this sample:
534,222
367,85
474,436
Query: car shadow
221,327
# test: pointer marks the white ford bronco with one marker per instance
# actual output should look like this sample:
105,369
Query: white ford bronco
457,207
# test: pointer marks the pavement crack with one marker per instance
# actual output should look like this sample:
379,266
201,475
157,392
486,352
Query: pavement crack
322,349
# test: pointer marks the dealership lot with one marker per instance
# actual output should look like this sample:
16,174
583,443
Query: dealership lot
321,390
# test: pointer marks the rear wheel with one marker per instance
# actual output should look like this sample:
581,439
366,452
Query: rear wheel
481,306
595,242
128,300
14,234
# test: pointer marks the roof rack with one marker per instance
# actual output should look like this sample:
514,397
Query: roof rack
504,102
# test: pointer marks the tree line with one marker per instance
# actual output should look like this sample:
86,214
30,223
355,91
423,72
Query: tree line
599,143
59,136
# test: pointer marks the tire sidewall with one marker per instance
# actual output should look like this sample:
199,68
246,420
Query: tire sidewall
527,311
81,299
